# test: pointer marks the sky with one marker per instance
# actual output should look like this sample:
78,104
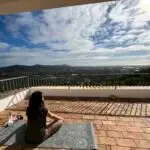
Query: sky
102,34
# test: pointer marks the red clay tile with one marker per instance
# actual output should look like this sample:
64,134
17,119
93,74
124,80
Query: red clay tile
122,123
145,136
114,134
107,141
135,129
147,124
147,130
132,135
126,142
120,148
101,117
96,121
101,133
88,117
137,124
143,143
76,116
135,148
119,128
109,122
112,118
103,127
129,119
104,147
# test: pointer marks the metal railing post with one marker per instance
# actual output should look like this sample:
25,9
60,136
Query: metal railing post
47,82
9,83
24,83
17,83
28,82
21,83
37,81
32,81
13,85
40,81
3,90
3,86
7,89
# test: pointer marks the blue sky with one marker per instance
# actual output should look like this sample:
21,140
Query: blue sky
112,33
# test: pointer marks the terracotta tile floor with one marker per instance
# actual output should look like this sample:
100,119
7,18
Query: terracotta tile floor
112,132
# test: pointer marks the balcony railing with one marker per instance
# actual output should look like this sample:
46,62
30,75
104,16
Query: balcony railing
12,84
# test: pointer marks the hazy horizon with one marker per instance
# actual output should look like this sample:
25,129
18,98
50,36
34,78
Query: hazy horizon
78,65
103,34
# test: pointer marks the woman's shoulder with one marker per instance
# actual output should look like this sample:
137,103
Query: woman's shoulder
45,110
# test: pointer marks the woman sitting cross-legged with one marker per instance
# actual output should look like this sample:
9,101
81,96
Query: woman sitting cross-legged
36,112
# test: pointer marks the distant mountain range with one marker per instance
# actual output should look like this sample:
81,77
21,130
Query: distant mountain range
21,70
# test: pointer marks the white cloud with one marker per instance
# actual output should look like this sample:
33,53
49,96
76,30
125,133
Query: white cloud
73,25
3,46
97,31
144,37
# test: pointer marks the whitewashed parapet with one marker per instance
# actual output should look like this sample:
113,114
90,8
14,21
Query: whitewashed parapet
122,92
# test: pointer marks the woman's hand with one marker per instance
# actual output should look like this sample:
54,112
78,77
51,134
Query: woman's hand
53,116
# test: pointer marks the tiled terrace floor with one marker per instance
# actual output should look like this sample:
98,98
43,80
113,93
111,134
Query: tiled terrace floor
112,132
93,107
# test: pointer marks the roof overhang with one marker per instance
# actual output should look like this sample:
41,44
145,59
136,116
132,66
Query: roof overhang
16,6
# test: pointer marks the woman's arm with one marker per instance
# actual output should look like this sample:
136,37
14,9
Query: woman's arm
53,116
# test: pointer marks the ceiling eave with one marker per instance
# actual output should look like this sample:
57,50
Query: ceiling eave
16,6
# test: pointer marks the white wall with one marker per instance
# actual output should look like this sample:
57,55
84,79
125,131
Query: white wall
123,92
16,98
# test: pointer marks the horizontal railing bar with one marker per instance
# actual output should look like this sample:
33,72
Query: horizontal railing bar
115,74
13,78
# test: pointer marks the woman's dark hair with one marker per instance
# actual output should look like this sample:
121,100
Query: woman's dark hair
35,105
35,100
